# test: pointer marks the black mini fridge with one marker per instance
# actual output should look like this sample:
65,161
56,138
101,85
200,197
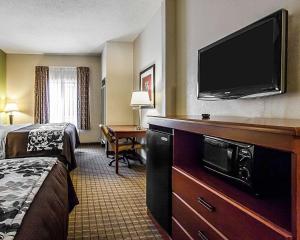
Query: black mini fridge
158,176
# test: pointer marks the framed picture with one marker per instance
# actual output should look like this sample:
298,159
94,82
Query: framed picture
147,83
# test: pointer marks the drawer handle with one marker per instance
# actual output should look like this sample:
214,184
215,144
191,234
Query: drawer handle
202,235
206,204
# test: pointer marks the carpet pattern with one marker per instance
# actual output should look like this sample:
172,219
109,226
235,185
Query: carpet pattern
111,206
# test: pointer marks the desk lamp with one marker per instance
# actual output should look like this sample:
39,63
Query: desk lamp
138,100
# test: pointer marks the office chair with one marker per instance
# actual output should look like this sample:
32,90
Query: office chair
126,146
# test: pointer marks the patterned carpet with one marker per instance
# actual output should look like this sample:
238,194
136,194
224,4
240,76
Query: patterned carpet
111,206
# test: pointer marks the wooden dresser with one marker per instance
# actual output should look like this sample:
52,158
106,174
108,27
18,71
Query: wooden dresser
205,206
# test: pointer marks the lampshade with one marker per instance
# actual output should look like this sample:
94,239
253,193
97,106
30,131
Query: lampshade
140,98
11,107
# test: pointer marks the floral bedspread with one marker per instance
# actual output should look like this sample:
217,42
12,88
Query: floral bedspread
48,136
20,180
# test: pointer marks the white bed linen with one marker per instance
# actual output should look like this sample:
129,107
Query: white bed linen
4,130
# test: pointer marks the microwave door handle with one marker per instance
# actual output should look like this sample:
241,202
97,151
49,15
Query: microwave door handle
229,153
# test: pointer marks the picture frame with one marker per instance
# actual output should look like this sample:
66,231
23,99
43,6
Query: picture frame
147,83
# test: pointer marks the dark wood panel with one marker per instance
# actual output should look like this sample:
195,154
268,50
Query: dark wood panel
215,207
178,232
275,125
296,193
188,147
195,224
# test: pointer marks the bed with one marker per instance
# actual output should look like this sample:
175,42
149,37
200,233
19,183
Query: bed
43,209
15,139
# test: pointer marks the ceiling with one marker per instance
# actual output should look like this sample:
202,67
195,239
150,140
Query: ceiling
71,26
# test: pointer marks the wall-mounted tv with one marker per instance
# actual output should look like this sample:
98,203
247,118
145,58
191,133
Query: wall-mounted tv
248,63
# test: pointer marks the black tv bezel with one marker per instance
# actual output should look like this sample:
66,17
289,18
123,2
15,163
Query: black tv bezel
279,75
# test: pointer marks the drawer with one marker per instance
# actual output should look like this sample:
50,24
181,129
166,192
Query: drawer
178,232
193,223
230,218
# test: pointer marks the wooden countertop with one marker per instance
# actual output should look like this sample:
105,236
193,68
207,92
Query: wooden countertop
126,128
274,125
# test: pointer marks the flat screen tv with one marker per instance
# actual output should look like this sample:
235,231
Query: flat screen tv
248,63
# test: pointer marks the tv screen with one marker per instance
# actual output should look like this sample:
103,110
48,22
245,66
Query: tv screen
248,63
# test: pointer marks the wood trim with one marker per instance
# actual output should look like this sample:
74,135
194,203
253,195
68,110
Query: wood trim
274,125
266,137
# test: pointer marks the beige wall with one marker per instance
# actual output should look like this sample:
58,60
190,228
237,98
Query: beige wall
201,22
148,50
118,70
20,77
103,63
169,54
3,117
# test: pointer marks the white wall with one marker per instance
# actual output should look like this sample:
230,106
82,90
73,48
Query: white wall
20,75
118,71
148,50
201,22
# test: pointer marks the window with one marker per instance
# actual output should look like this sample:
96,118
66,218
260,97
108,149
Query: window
63,94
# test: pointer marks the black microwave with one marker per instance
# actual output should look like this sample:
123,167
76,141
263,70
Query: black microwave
258,169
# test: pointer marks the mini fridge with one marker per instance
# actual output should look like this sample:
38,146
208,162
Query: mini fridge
158,175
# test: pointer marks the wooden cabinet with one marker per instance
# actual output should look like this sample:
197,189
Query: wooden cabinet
195,224
222,212
205,206
179,233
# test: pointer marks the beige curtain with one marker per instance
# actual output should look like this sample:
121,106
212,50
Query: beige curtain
41,90
83,117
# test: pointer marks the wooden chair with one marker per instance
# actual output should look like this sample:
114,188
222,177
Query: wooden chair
126,146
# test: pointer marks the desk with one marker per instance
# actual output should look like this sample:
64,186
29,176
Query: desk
123,131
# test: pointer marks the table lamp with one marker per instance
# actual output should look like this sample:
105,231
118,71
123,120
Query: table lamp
11,108
138,100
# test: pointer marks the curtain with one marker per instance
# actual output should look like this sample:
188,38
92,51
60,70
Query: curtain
41,90
63,94
83,118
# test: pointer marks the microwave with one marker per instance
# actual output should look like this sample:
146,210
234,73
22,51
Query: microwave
260,170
